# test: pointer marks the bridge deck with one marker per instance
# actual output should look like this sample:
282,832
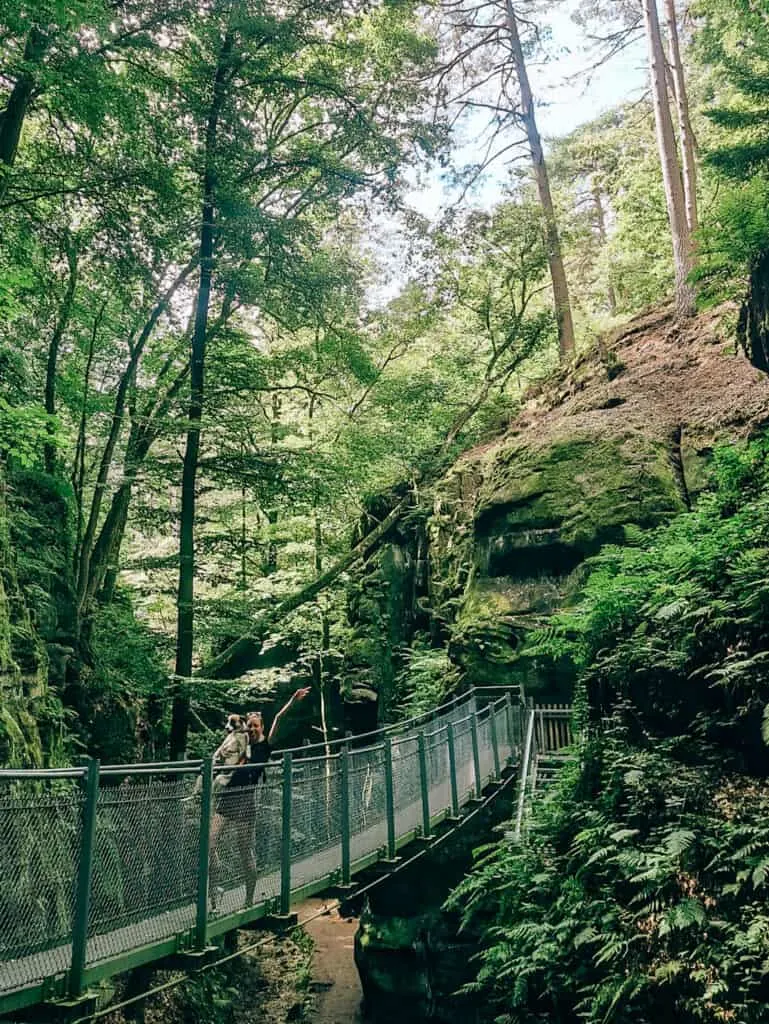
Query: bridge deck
146,864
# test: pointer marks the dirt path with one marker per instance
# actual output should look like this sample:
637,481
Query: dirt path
335,981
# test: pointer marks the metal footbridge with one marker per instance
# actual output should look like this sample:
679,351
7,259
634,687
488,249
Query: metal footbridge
107,868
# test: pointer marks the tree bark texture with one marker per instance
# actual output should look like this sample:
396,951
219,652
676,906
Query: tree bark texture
554,254
12,118
600,220
671,173
685,133
62,320
185,622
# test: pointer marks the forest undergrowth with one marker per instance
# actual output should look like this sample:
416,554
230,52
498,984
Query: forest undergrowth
640,892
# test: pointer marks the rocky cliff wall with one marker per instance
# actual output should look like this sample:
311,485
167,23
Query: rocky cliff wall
616,443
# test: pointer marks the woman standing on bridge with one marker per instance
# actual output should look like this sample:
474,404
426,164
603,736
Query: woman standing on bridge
236,805
259,747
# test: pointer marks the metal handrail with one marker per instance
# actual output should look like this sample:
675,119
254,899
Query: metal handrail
384,730
526,758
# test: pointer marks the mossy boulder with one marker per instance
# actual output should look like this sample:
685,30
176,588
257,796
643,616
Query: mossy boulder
541,510
568,497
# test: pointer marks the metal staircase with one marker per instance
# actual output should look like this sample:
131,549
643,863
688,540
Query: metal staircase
548,737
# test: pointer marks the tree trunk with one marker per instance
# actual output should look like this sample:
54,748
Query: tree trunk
243,584
78,468
87,546
671,173
65,311
555,258
12,118
185,621
104,562
600,220
685,133
271,560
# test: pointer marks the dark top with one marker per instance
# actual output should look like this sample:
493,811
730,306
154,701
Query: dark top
252,773
260,755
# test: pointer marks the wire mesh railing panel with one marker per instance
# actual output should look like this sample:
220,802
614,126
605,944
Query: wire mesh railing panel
518,727
147,824
406,788
456,713
485,754
244,858
438,770
316,821
144,875
452,710
463,748
501,720
368,826
41,826
267,840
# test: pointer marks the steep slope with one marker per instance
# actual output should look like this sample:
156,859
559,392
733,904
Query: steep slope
619,441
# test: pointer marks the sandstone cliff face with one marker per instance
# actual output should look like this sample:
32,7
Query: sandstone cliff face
617,443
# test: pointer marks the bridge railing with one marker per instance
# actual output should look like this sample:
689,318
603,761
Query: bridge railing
107,867
553,725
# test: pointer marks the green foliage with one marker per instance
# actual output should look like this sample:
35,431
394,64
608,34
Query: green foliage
676,623
426,681
615,225
733,42
22,431
638,895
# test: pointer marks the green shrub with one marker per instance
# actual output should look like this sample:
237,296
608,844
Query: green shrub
639,895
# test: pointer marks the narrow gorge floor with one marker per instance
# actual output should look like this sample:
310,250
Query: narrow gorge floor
337,993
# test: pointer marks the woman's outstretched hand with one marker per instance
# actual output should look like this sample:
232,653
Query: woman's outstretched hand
301,694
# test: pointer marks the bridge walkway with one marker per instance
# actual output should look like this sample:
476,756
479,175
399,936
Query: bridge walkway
108,868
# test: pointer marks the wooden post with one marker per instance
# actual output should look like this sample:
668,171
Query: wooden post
285,844
84,875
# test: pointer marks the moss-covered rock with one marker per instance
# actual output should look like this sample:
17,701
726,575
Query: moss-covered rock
616,442
568,497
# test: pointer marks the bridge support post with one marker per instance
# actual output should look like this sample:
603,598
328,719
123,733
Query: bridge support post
424,782
84,874
509,726
344,782
450,739
389,799
476,756
285,843
494,738
204,852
